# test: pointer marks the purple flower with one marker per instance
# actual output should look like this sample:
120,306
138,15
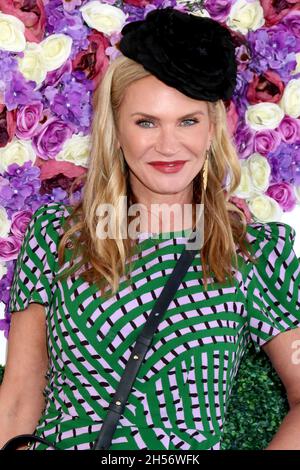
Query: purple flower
139,13
51,137
70,5
292,22
285,163
239,96
5,285
20,92
274,49
266,141
71,101
19,222
218,10
53,77
243,57
284,194
18,186
9,248
289,129
9,65
244,140
28,117
112,52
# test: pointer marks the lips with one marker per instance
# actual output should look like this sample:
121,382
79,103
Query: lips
168,167
177,162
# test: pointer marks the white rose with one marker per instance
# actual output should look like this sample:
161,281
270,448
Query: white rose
264,116
32,65
4,223
11,33
104,18
265,208
245,188
201,12
56,49
246,16
16,151
290,101
297,69
260,170
3,269
76,150
297,193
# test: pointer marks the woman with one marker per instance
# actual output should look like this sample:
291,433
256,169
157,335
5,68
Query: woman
84,297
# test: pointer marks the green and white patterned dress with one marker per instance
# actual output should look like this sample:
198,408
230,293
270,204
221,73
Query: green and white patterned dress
179,398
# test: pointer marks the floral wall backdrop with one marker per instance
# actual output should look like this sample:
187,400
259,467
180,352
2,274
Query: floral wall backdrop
53,53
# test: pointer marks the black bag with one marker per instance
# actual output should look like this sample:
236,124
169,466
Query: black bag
133,365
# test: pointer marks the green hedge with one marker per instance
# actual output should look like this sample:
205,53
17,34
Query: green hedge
257,405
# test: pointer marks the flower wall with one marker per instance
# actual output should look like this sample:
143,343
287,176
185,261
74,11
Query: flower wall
54,53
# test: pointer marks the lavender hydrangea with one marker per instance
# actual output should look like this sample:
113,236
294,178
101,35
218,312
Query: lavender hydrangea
274,49
285,163
19,91
71,100
17,187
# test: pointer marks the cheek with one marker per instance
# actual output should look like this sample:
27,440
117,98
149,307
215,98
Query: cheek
197,142
135,145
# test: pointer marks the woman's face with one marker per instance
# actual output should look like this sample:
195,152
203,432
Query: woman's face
157,123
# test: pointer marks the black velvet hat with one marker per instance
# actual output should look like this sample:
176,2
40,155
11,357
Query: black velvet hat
194,54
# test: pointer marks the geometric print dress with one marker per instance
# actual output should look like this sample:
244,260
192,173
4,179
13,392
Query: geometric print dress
179,397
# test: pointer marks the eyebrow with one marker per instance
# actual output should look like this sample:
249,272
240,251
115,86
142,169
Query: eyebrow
154,117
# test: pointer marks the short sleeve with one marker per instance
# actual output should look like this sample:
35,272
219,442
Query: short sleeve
37,260
273,291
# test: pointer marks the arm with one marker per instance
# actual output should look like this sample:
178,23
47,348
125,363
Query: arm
21,393
284,353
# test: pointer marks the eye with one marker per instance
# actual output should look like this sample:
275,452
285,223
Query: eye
140,121
194,121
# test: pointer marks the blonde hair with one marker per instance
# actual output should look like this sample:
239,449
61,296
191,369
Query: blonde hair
106,260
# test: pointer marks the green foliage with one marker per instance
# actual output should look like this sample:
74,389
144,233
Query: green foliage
256,407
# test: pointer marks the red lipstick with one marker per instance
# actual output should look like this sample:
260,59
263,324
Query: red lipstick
168,167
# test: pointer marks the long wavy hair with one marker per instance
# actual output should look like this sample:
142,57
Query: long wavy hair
104,260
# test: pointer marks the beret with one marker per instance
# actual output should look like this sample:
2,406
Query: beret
193,54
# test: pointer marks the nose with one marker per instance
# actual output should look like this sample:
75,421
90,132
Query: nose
166,141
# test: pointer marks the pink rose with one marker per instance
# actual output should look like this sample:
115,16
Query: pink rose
275,10
292,22
51,168
9,248
19,222
289,129
52,78
232,118
49,141
284,194
242,205
266,141
138,3
31,13
28,118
